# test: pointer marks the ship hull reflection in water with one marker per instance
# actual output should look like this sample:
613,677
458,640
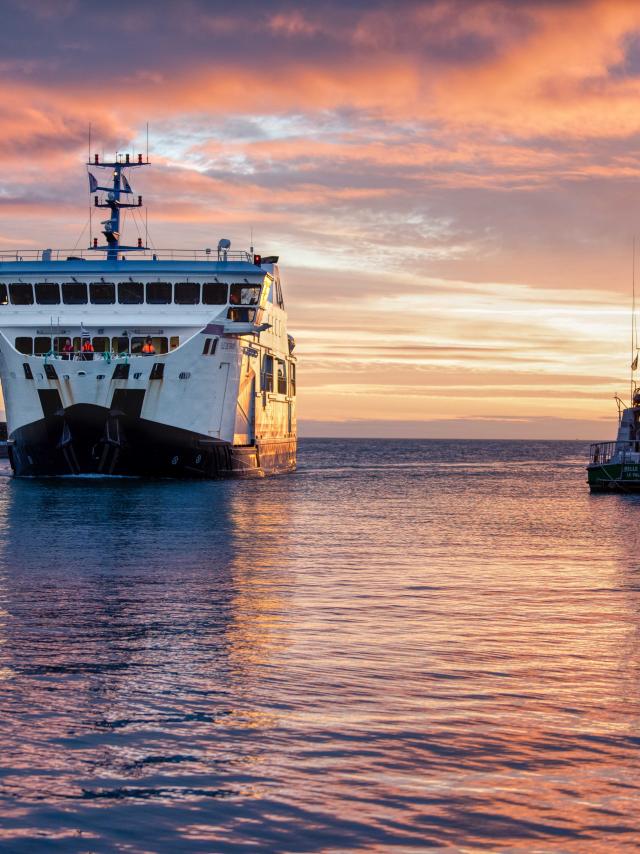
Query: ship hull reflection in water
424,648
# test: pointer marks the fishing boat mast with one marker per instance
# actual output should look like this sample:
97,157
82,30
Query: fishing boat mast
634,358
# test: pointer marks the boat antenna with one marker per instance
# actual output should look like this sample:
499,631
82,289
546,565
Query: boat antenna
634,357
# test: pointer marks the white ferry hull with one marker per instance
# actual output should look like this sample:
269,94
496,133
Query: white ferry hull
185,414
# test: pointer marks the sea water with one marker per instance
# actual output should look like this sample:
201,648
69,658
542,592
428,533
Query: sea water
403,645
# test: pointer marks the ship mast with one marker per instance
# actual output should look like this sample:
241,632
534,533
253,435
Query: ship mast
111,199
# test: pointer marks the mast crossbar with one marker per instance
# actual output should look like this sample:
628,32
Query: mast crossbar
119,187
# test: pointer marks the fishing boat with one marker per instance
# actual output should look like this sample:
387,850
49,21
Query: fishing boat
125,360
615,466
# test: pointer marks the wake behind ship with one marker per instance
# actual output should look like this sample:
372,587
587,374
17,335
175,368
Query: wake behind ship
123,361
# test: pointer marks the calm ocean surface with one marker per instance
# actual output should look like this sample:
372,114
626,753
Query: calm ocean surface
404,645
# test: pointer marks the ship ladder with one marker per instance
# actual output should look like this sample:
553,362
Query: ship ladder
66,446
111,442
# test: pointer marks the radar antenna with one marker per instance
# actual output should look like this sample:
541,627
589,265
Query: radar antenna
110,197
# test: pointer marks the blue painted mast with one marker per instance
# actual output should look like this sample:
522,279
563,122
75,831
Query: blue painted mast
113,202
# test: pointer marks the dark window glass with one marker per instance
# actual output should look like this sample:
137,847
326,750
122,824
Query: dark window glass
292,378
282,377
207,345
42,346
120,344
21,294
47,293
3,295
59,343
160,345
245,294
158,293
130,293
174,342
24,345
242,315
187,293
267,373
102,293
101,344
214,293
74,293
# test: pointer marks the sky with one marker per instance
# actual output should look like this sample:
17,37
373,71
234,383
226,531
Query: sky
452,187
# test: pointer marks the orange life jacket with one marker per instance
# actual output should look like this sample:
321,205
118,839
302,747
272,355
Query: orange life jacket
148,347
87,347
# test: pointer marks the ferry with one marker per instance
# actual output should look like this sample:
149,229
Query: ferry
125,360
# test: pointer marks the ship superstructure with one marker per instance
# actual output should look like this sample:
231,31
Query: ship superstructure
122,360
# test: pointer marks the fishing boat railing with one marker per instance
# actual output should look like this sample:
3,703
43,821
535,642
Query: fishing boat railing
603,452
213,255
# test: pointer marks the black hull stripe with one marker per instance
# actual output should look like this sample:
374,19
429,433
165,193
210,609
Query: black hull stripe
87,439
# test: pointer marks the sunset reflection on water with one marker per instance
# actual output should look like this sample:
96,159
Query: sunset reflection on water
412,644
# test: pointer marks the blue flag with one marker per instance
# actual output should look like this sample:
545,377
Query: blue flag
126,186
93,183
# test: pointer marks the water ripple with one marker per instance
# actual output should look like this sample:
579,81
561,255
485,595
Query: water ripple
403,646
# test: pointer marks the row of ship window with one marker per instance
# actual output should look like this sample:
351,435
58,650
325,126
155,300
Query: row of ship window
273,374
273,377
118,345
129,293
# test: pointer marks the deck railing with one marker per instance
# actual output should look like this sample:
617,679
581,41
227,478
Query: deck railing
213,255
603,452
97,355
